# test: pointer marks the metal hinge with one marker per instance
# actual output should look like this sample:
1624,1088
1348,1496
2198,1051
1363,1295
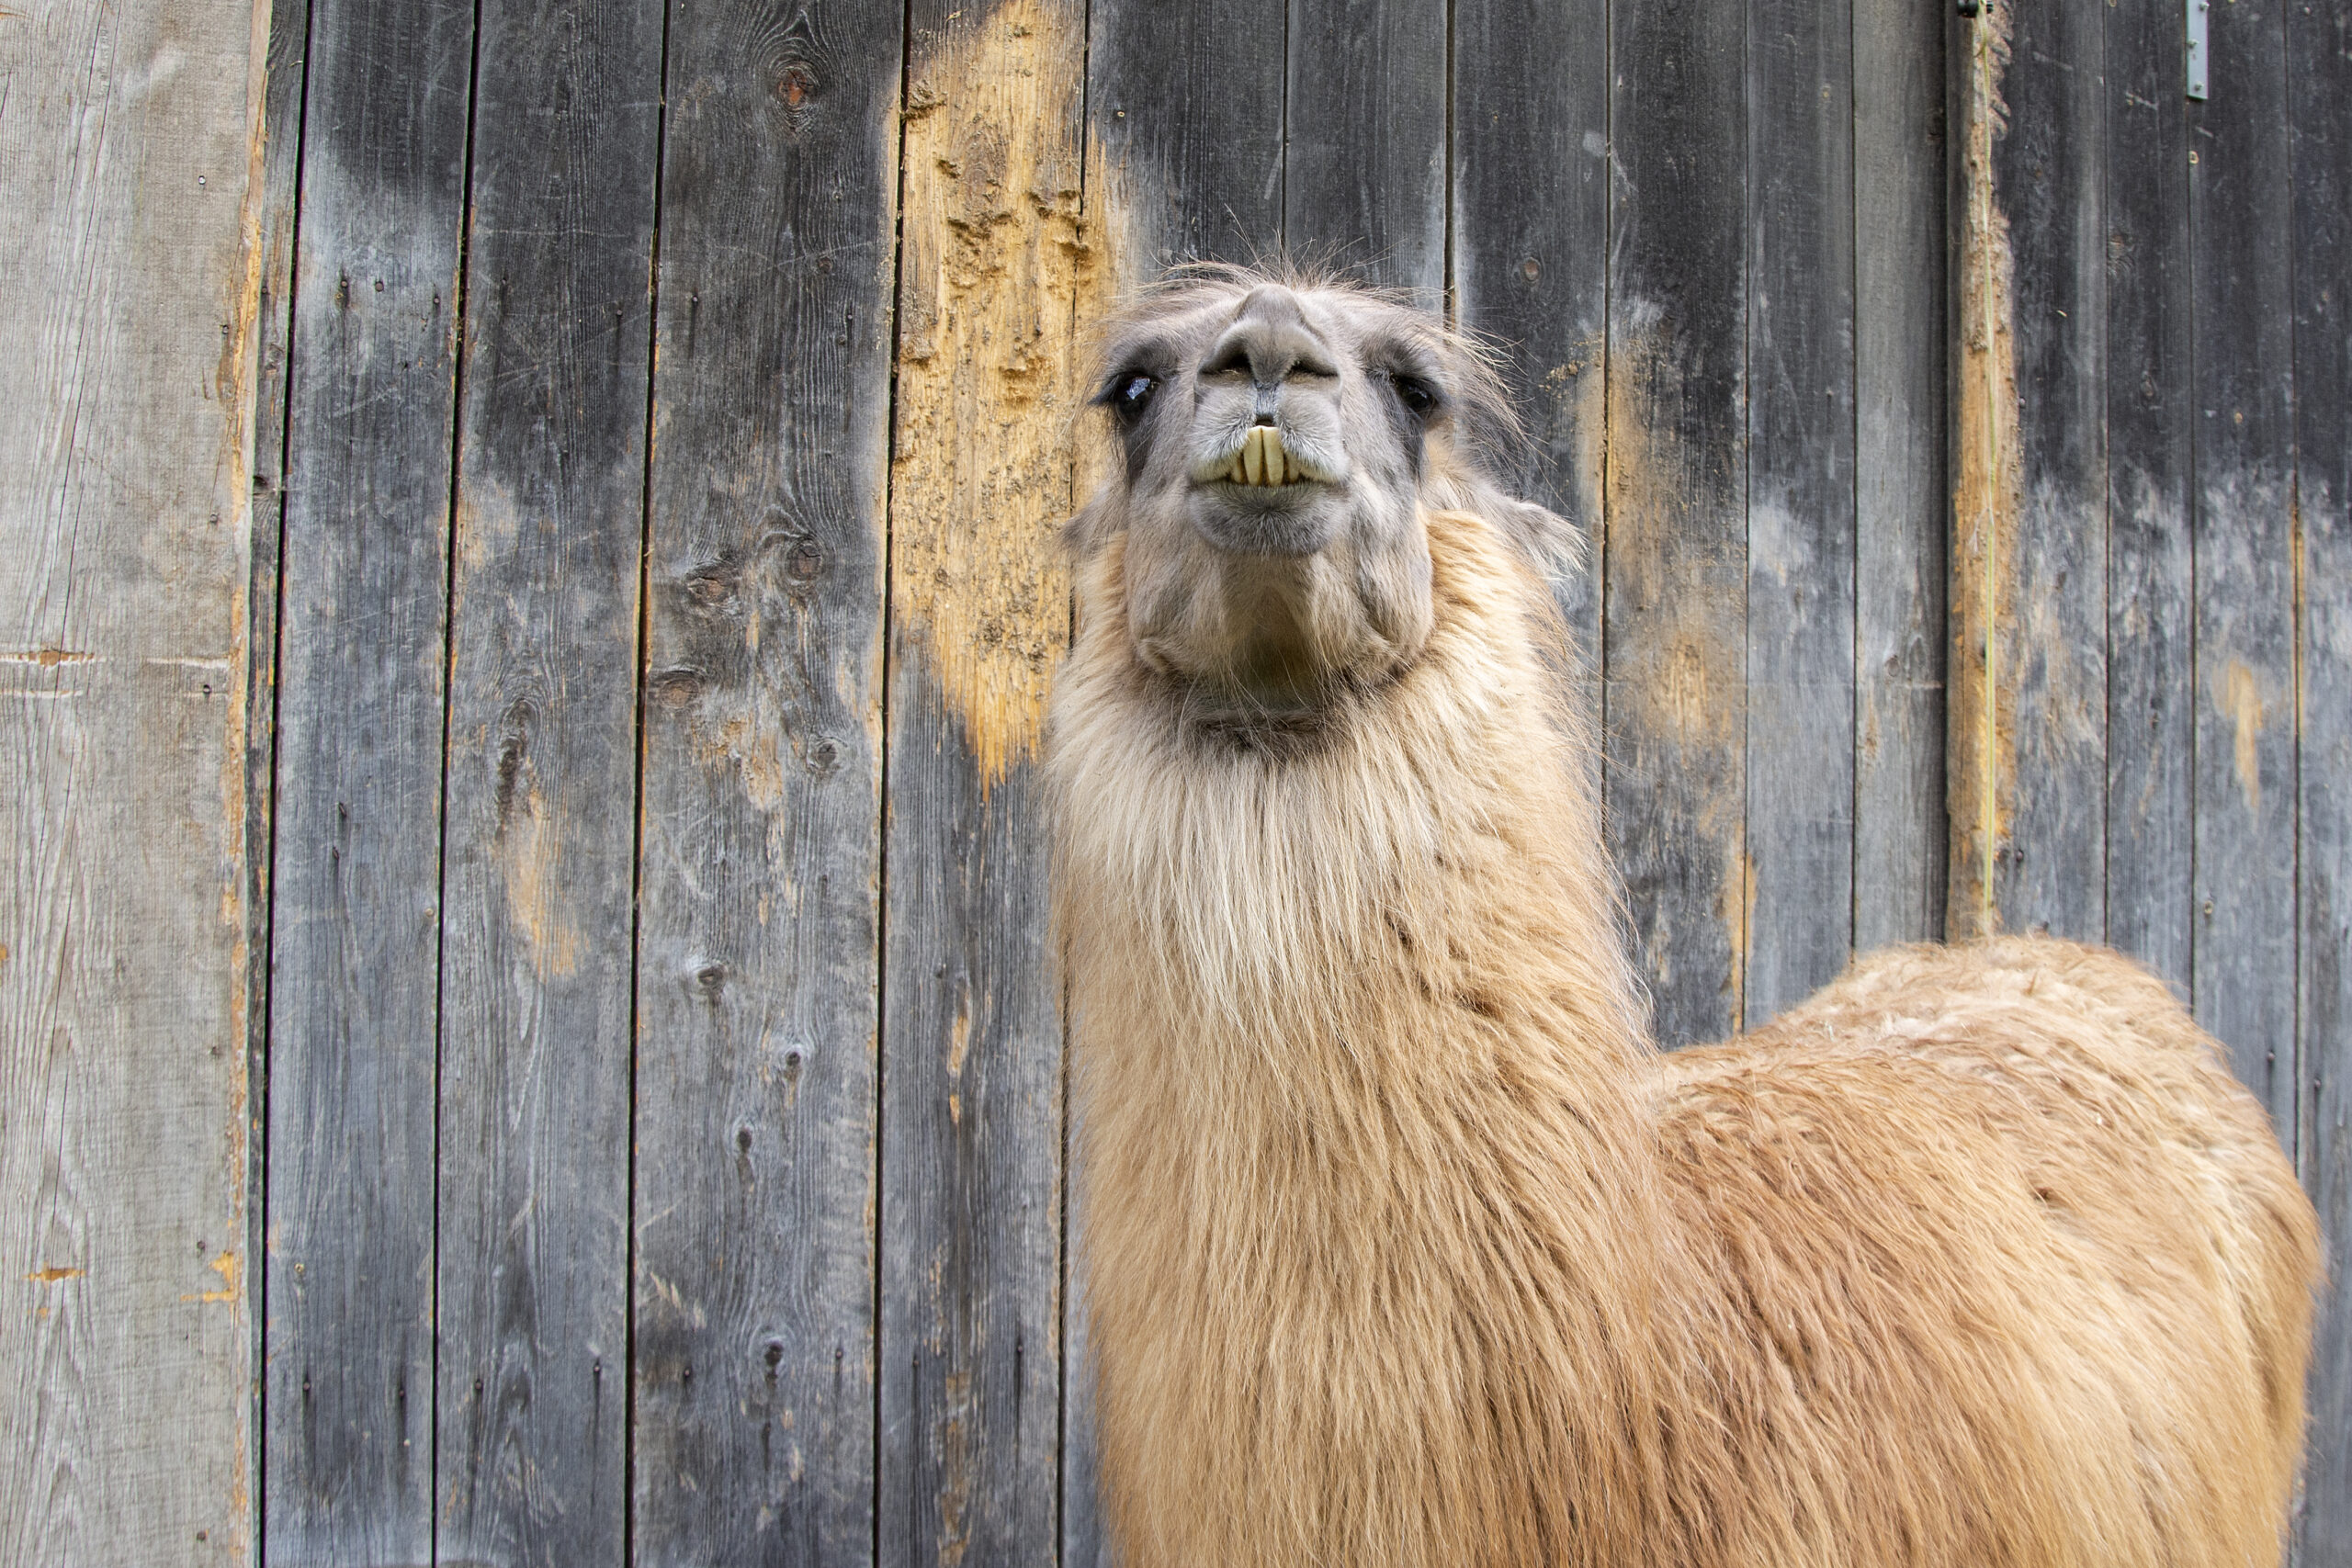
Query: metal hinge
2197,51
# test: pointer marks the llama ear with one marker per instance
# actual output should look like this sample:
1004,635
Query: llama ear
1554,544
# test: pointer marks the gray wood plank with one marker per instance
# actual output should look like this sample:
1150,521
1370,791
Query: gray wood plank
1676,569
2319,145
133,136
1189,132
992,290
753,1377
1530,260
1190,126
1796,926
1364,178
538,885
2151,722
2239,205
2050,618
1902,497
347,1426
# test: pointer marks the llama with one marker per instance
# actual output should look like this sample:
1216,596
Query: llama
1402,1245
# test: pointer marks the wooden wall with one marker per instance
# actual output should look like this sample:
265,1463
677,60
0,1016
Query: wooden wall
588,754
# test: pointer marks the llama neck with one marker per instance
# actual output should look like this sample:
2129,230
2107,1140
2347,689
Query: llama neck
1359,1067
1421,892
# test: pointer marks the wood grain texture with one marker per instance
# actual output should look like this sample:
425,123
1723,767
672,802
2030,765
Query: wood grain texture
1902,490
2319,145
755,1202
2046,870
348,1398
132,168
1189,127
1363,181
539,878
1675,567
1529,262
2150,636
1796,920
2239,205
1001,258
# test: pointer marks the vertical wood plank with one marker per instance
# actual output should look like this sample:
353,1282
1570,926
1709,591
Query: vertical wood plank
2319,142
2150,726
133,178
1796,923
755,1202
1189,132
2239,207
1190,127
1363,181
532,1293
1675,570
1901,493
998,255
2042,748
1530,263
347,1405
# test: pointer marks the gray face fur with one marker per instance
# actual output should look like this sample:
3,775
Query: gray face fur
1282,440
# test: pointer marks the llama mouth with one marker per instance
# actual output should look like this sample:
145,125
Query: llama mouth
1264,462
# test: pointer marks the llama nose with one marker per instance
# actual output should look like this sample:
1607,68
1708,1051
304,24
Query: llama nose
1271,338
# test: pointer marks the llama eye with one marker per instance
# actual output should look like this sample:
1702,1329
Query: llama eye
1418,396
1130,395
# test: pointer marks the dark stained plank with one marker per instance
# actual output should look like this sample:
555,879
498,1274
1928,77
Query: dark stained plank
531,1402
2239,207
1365,180
1902,498
348,1403
1796,924
2319,118
1676,569
1189,130
125,1365
2049,615
1190,124
1530,255
2150,723
1000,262
752,1407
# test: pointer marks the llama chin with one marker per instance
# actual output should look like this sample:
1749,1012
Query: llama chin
1404,1246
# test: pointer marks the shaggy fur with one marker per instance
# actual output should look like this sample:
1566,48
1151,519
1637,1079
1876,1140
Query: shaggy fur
1404,1247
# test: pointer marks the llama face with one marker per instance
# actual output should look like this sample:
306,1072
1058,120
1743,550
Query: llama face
1281,445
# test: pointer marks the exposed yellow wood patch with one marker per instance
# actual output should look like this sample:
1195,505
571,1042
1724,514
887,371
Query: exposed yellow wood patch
2242,705
1987,495
1004,258
54,1275
227,1267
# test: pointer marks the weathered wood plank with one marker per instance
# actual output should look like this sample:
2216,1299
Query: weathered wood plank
998,262
1796,921
133,176
1190,136
2150,722
1190,127
2319,120
1364,174
1902,492
1530,260
2035,608
1676,569
537,915
2239,207
347,1413
755,1202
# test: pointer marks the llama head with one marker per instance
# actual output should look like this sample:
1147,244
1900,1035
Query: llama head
1284,440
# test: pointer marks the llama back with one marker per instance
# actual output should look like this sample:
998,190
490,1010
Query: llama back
2011,1194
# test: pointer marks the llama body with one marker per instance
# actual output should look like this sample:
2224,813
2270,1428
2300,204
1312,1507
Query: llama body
1404,1247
